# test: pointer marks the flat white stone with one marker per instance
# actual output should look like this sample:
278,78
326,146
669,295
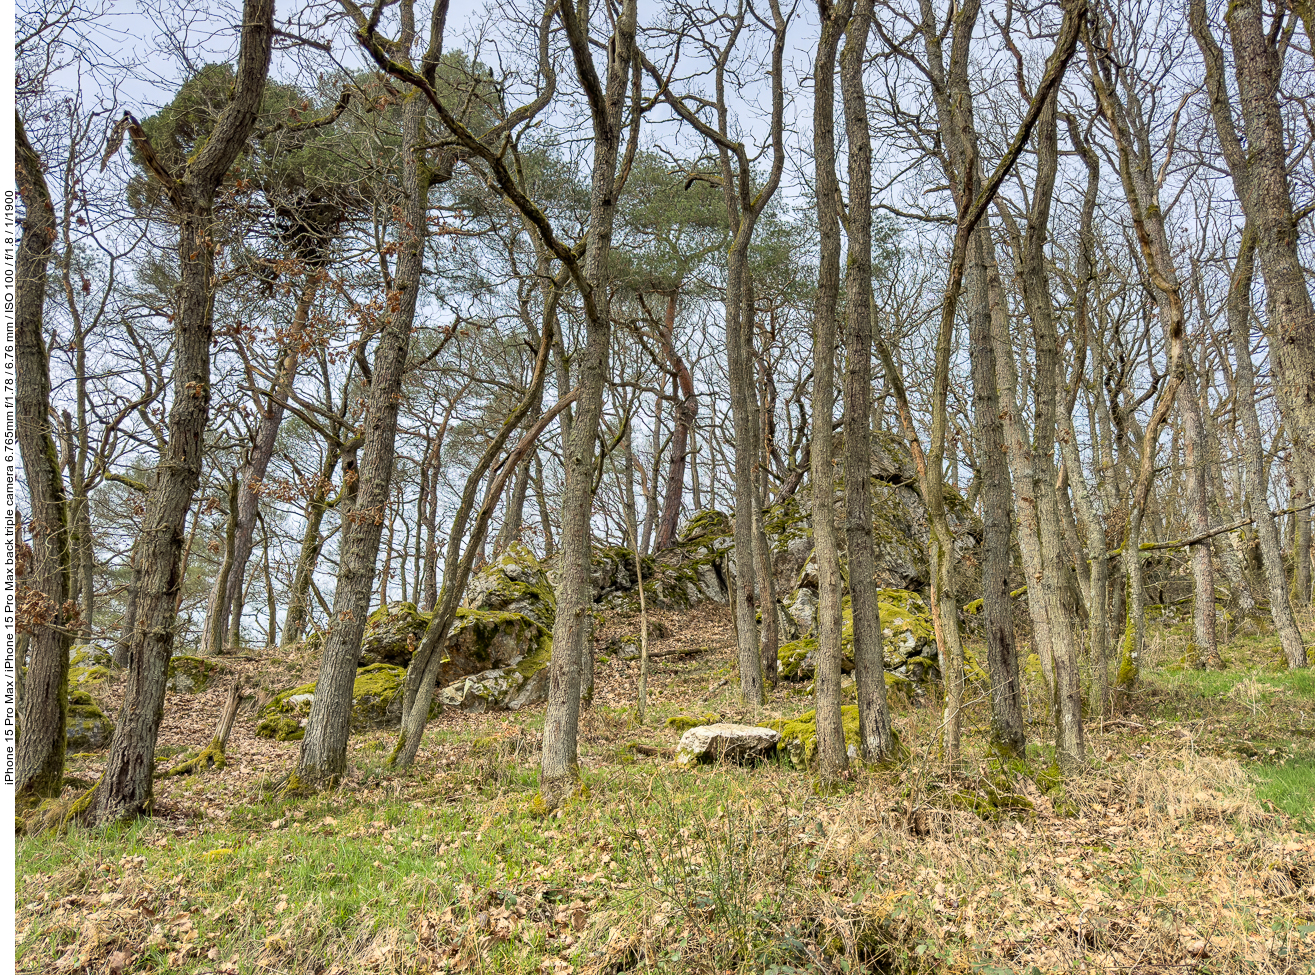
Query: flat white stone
725,742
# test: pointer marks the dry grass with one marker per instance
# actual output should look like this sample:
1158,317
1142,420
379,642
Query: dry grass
1160,858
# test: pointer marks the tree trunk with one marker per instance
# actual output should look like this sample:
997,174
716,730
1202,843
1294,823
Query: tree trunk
832,756
765,578
294,621
43,594
1253,451
875,740
216,621
1007,732
1048,589
125,790
1203,571
1301,540
686,411
513,514
1260,178
559,769
228,599
323,756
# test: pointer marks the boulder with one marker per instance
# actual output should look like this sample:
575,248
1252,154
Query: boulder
801,607
488,639
390,637
900,530
725,742
516,582
521,684
706,545
190,675
87,728
376,703
391,634
908,645
87,676
90,655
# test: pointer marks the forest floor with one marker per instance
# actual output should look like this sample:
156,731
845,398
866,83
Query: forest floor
1188,845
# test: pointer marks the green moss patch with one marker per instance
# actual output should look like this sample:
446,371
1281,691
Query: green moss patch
799,735
683,722
191,675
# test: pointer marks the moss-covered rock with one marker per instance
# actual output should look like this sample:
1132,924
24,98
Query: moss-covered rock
516,582
486,639
683,722
900,530
87,729
799,735
523,683
88,655
281,728
87,676
190,675
391,635
908,639
376,703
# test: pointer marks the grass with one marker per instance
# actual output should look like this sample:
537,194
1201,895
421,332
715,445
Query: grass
1162,857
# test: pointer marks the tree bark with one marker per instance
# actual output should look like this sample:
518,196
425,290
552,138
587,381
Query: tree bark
832,757
1253,451
323,756
125,790
875,740
44,592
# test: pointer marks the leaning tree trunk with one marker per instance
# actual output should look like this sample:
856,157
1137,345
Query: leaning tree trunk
686,412
213,755
125,790
832,756
43,595
875,740
227,599
1253,452
294,623
323,757
427,660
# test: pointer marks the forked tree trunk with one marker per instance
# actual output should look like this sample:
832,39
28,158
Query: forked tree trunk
294,622
227,597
